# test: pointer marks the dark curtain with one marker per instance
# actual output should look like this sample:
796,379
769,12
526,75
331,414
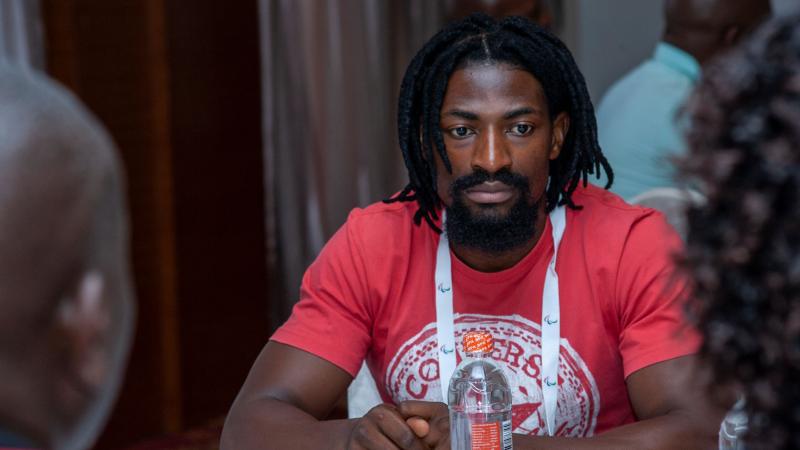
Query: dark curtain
331,72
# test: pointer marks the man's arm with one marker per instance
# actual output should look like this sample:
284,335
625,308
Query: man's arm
284,399
672,407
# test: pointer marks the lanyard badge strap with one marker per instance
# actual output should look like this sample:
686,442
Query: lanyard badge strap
551,326
445,333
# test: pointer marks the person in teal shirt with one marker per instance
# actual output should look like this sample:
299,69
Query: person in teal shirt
638,120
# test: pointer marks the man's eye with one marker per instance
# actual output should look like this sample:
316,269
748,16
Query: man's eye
521,129
460,132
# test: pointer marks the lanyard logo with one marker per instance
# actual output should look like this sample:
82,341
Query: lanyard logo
550,321
442,288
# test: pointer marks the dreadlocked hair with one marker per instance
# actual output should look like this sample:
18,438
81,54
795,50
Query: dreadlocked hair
481,39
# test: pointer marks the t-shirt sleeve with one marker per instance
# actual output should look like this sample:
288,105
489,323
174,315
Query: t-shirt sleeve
332,319
651,295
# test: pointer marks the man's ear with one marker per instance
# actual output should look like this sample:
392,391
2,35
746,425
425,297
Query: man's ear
84,321
560,130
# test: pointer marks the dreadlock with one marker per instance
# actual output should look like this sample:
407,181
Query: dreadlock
516,41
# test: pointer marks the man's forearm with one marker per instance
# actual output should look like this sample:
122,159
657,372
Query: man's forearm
272,424
671,431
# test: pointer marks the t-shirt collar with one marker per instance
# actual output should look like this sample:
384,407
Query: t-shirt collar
677,59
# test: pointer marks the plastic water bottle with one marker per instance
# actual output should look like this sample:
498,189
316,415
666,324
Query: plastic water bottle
734,427
479,399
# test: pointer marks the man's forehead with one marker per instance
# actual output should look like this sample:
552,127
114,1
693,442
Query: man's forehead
476,84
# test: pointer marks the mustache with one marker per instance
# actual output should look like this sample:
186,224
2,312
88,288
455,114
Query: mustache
514,180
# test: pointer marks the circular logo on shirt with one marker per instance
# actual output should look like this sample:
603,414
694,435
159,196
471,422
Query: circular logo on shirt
413,373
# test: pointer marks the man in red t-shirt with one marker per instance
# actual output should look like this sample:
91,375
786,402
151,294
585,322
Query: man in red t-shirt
576,286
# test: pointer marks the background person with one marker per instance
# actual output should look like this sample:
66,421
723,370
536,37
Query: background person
637,118
66,304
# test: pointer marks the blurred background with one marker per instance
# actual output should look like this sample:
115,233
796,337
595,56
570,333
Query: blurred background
249,130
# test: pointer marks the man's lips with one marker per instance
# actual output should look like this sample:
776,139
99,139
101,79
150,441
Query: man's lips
489,193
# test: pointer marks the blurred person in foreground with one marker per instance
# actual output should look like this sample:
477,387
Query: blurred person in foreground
744,243
66,303
498,135
637,118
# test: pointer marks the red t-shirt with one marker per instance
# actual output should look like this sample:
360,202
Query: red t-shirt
370,294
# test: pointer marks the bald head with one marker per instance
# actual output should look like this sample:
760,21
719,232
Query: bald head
704,28
55,163
66,309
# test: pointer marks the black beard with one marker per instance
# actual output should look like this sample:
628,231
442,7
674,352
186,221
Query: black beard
490,232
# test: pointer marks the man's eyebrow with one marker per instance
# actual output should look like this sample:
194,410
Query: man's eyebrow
462,114
521,112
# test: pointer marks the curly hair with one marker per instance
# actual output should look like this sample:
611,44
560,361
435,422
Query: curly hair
743,246
516,41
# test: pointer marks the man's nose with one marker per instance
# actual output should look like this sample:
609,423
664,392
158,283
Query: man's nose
491,153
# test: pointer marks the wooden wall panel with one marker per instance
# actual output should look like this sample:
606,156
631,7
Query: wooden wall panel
216,138
177,85
112,55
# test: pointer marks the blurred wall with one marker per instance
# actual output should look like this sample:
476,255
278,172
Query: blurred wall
610,37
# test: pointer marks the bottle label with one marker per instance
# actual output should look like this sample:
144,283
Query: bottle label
491,436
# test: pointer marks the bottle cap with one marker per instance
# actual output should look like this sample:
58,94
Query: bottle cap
478,342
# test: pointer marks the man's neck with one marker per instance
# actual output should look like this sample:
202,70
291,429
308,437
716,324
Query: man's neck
494,262
681,43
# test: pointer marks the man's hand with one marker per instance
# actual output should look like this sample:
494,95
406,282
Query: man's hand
384,428
429,420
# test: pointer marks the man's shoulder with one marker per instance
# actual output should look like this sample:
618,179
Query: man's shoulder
645,85
630,80
652,74
609,229
385,239
382,212
382,221
604,212
597,199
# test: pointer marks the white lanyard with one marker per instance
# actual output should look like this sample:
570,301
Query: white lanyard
551,327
